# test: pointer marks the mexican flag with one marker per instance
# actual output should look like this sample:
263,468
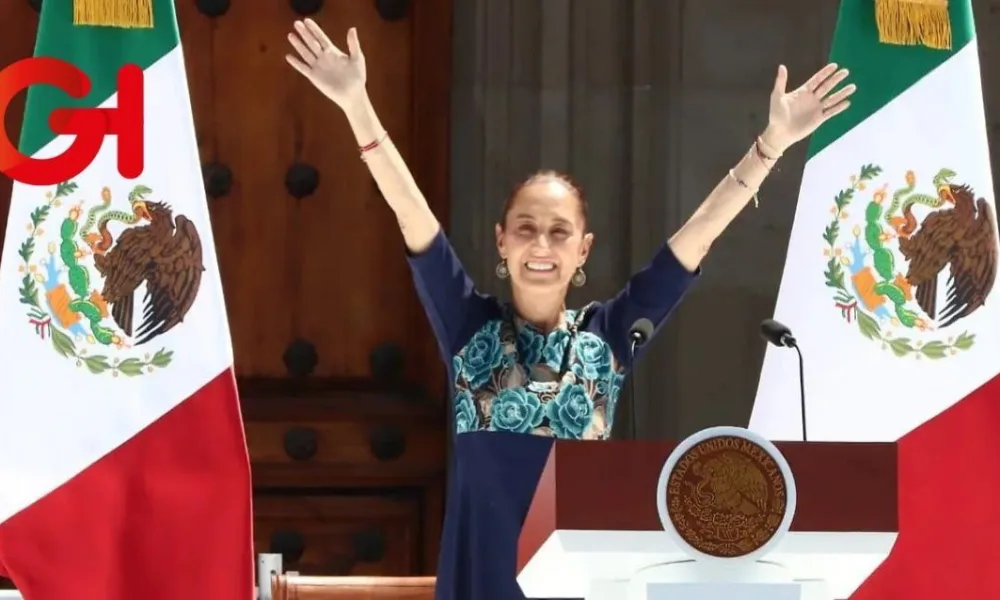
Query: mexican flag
123,465
889,289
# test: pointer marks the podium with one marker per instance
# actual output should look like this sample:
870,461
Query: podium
723,514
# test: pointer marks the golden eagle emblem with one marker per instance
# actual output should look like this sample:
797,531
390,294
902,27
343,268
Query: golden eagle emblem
891,251
726,496
731,482
962,237
83,294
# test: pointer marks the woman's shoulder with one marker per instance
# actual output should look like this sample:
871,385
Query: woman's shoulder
489,321
585,321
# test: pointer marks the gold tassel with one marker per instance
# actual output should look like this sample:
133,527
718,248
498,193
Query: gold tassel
126,14
914,22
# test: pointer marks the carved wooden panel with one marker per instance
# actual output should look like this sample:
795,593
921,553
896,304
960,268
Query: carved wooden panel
329,467
360,438
340,535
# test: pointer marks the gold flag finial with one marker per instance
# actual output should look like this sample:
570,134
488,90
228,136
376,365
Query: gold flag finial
126,14
914,22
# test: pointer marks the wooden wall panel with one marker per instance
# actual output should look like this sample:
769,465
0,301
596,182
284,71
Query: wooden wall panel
296,268
353,450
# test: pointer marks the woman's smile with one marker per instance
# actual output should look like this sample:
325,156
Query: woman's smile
541,266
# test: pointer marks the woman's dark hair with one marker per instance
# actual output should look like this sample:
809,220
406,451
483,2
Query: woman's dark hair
542,177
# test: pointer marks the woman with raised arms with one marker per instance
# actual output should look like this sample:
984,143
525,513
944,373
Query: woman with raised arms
530,371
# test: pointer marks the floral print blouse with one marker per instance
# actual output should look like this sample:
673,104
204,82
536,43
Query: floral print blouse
506,375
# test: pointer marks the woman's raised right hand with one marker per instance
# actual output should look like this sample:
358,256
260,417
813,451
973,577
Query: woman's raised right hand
338,75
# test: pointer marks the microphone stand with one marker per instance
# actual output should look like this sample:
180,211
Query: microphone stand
779,335
802,391
633,346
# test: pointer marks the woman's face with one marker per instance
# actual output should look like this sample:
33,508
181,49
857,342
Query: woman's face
544,238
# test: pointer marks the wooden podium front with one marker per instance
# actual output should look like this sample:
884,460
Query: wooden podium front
295,587
595,507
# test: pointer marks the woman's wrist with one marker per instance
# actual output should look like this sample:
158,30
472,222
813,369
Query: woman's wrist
363,120
357,106
773,141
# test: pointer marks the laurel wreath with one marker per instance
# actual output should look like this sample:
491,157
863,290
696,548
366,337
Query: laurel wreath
61,341
867,324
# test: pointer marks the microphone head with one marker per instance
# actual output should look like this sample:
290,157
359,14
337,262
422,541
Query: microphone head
641,330
776,333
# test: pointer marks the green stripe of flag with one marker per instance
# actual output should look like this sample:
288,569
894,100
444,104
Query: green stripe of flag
882,71
99,51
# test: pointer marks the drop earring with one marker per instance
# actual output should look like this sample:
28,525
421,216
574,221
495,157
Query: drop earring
502,271
579,278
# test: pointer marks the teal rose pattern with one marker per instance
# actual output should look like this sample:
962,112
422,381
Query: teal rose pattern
617,381
530,344
581,405
482,355
466,416
555,349
516,410
593,357
571,412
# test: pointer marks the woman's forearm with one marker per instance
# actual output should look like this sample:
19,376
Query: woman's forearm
416,221
694,239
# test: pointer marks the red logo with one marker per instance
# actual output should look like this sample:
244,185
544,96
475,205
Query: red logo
89,125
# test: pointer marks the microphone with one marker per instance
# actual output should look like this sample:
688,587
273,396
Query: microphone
781,336
777,333
638,335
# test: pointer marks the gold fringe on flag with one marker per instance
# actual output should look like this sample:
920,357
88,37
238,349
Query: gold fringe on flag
914,22
125,14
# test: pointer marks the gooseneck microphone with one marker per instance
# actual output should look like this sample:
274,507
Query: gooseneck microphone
781,336
638,335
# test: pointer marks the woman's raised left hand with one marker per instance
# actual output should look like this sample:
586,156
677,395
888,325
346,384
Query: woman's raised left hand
796,114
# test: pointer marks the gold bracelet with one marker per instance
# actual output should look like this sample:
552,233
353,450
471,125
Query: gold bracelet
761,144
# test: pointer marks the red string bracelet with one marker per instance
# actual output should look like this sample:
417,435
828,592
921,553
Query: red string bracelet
371,146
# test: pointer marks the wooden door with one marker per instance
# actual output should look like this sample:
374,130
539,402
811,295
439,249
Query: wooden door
339,376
